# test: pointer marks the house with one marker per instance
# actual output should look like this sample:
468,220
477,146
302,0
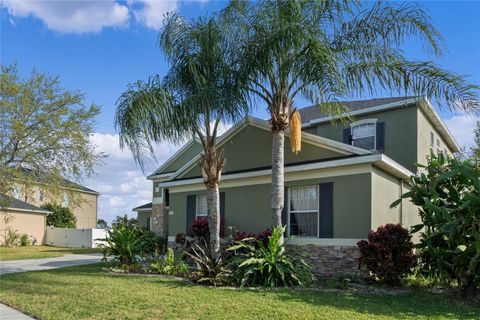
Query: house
337,189
30,218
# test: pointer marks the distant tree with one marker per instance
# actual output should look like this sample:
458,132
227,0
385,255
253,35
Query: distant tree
102,224
124,220
60,217
46,129
475,150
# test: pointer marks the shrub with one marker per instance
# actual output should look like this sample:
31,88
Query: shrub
180,239
150,243
123,244
199,230
448,194
12,238
169,265
268,265
60,217
388,253
25,240
261,236
209,270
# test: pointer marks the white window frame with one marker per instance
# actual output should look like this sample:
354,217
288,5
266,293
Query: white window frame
16,192
317,187
197,206
363,122
65,200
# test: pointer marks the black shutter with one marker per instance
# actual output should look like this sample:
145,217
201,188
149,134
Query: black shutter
191,204
222,207
285,207
346,136
148,223
167,197
326,210
380,136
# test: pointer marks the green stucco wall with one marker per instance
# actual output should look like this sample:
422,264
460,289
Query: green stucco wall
252,148
185,157
142,218
248,207
400,133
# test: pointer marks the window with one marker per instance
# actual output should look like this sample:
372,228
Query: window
438,147
201,208
432,140
66,200
41,195
303,211
16,193
364,134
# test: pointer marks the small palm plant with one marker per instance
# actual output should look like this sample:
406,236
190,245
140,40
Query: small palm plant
257,264
123,244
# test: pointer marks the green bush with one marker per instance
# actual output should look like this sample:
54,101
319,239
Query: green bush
257,264
448,194
12,238
25,240
169,265
60,217
123,244
151,245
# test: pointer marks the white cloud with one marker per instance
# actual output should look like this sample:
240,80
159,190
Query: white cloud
72,16
150,13
462,127
121,184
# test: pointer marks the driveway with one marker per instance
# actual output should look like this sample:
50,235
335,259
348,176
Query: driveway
67,260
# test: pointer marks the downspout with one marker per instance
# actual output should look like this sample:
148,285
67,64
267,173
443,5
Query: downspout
400,218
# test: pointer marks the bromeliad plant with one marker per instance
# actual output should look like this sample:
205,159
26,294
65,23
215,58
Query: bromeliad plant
447,191
257,264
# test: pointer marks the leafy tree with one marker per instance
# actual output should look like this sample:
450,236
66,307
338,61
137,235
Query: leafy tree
102,224
44,134
60,217
325,50
125,221
199,91
448,195
475,150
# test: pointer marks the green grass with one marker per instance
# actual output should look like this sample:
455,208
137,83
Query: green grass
37,252
88,292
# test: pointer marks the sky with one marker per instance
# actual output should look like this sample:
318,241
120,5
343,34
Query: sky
98,47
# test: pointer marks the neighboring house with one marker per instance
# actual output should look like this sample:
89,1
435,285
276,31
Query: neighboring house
337,189
25,218
35,197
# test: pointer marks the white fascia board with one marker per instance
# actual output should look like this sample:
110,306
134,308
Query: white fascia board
366,110
437,121
142,210
28,210
160,177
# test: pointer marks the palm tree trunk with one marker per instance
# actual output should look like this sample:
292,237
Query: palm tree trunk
211,164
213,203
277,202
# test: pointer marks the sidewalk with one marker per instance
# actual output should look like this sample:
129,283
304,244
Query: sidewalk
7,313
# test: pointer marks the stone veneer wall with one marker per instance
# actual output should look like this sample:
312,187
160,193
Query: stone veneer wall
325,260
330,260
159,219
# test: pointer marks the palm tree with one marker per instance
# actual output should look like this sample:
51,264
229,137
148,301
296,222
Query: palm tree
324,50
198,93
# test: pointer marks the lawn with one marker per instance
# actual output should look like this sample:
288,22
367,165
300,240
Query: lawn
37,252
87,292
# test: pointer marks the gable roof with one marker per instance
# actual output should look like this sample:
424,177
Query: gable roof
15,204
329,144
143,207
315,112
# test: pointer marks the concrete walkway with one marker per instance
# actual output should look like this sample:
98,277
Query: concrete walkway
7,313
67,260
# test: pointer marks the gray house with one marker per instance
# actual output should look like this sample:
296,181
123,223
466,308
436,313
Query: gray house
338,188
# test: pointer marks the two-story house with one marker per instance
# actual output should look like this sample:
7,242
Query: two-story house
337,189
27,216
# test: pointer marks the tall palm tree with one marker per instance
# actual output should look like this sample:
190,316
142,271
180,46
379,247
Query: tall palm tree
199,91
324,50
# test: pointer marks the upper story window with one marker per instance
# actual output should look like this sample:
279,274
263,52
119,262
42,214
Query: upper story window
432,140
65,201
439,150
364,134
304,211
16,193
41,195
201,207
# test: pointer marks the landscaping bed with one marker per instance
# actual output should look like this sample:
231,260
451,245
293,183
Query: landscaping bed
88,292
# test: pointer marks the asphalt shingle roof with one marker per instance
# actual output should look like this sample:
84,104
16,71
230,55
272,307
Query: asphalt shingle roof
315,112
144,206
22,205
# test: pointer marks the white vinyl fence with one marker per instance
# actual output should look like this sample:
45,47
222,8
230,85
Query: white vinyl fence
74,238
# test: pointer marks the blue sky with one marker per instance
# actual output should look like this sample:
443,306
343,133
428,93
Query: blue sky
98,47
